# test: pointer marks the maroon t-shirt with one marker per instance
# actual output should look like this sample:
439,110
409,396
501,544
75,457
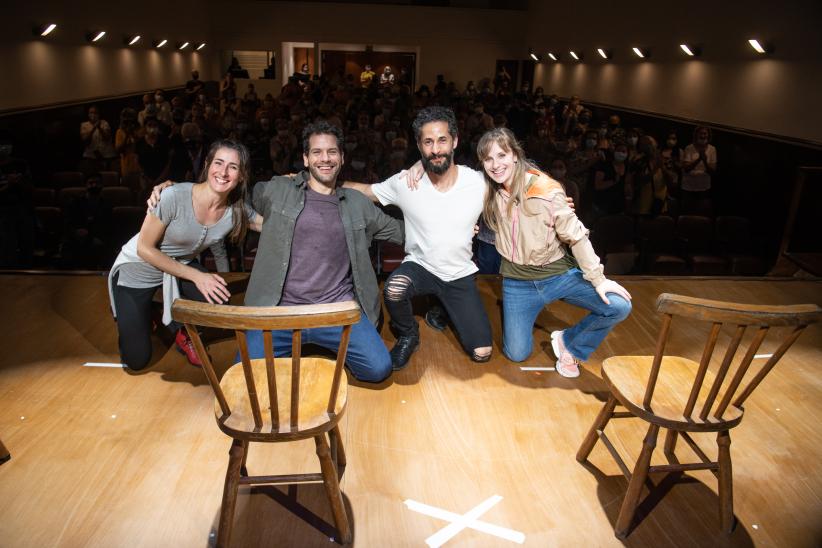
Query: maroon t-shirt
320,268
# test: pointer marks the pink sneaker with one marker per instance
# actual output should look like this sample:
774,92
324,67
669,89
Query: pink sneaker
185,346
567,364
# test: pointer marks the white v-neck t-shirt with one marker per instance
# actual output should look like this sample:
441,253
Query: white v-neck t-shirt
439,226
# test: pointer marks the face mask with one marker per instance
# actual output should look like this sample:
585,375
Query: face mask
672,143
603,132
158,98
633,140
702,141
620,156
153,130
358,165
553,102
590,143
558,173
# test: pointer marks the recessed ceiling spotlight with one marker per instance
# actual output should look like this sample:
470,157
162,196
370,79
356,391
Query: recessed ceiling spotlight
603,53
552,56
94,36
641,53
574,55
756,45
688,51
201,46
131,40
160,43
45,30
184,45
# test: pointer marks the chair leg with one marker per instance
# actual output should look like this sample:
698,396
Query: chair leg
640,474
726,488
236,455
592,437
670,443
332,489
337,449
243,469
4,453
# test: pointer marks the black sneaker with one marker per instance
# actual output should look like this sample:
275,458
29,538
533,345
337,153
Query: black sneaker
401,353
436,318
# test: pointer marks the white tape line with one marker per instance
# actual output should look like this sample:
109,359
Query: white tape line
103,364
445,515
449,531
538,368
763,356
460,522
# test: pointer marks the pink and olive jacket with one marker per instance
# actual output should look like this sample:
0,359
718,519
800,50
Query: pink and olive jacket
539,235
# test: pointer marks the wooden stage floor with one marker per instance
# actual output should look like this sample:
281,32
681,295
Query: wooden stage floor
106,458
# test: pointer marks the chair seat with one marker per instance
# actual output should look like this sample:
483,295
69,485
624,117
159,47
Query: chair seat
628,376
316,373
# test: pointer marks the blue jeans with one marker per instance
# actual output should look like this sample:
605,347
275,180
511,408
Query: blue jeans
367,357
523,300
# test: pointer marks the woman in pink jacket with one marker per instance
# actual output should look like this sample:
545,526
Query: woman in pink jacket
546,255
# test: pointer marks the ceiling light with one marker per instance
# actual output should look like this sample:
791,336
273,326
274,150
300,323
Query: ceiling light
602,53
552,56
688,51
94,36
574,55
160,43
131,40
756,45
639,53
184,45
44,30
201,46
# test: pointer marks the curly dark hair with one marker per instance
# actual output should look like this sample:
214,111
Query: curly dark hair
321,127
435,114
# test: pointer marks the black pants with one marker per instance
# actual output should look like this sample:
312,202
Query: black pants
133,307
459,297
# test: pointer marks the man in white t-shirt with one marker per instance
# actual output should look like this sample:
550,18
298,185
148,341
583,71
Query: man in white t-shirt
439,225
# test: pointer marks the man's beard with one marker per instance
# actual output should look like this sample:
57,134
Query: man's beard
437,169
325,179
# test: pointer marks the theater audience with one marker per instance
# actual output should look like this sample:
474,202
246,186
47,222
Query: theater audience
153,155
125,142
698,166
98,151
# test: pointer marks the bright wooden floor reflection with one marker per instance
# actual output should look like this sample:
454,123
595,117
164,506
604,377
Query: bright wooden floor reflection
105,458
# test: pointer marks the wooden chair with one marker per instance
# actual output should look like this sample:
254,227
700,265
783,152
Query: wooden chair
277,399
681,396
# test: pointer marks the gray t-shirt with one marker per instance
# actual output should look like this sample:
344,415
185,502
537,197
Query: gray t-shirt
184,238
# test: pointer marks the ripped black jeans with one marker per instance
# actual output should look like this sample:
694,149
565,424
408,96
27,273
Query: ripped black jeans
459,297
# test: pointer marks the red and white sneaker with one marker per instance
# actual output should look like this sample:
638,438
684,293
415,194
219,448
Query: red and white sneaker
567,364
185,346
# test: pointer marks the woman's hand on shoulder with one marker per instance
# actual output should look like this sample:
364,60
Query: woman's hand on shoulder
154,199
413,175
212,286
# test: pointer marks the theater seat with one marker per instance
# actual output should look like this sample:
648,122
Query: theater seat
733,241
658,247
695,236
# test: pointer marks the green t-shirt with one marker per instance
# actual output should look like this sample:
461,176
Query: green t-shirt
530,272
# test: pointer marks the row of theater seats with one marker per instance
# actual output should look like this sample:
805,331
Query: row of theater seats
688,245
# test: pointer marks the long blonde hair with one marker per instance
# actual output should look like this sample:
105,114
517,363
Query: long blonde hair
508,142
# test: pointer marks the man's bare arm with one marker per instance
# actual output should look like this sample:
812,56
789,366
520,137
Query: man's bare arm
362,187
